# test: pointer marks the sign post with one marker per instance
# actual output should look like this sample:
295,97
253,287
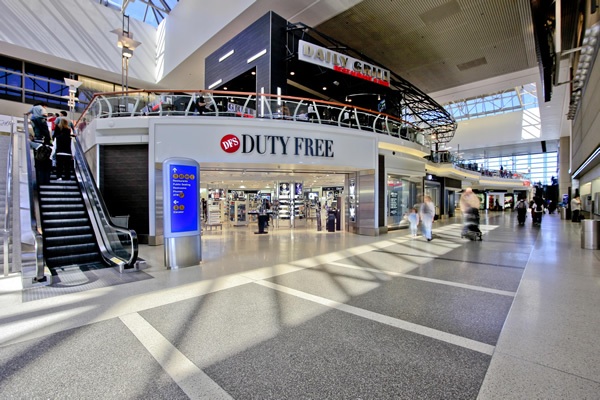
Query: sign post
181,186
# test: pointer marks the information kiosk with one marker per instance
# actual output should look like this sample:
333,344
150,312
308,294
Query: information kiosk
181,187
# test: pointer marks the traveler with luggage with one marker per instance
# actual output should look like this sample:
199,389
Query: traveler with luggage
537,211
521,209
469,205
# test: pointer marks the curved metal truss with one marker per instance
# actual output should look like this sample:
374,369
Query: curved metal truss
404,100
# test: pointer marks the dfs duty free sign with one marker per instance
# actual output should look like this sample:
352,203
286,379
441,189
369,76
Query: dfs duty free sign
280,145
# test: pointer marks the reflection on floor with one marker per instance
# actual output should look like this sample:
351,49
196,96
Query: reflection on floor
305,314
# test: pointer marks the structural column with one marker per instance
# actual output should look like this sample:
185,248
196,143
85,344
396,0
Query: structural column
564,160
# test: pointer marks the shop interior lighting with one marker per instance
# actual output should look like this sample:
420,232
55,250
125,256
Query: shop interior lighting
257,55
214,84
229,53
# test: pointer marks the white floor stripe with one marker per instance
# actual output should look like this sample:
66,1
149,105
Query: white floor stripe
397,323
195,383
432,280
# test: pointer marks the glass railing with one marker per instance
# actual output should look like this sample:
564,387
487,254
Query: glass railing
249,105
446,157
119,246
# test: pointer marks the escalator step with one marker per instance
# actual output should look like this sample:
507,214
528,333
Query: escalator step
62,206
63,250
61,199
65,186
67,231
63,193
56,241
61,261
66,223
52,215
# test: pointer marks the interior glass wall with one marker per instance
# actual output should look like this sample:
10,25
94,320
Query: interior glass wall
433,190
402,194
539,168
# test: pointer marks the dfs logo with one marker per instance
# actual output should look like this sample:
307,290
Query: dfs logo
230,143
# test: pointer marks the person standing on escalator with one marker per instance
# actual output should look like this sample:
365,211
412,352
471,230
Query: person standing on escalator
64,149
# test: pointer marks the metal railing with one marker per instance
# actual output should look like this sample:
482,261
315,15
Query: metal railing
34,206
250,105
8,210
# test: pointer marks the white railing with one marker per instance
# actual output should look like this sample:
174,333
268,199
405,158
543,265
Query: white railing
249,105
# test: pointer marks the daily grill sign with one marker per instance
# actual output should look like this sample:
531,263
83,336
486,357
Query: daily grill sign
280,145
318,55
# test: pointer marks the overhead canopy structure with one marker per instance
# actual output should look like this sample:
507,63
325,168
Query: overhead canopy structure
402,99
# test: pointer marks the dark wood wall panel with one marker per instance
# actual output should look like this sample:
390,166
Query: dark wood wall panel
278,54
124,184
247,43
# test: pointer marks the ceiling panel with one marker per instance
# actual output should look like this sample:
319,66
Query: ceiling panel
424,41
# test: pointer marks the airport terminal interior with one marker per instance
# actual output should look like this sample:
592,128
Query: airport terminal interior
367,199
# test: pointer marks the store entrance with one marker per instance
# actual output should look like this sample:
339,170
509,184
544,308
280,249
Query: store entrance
237,198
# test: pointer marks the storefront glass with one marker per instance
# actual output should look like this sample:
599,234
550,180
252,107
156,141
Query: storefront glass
402,194
432,189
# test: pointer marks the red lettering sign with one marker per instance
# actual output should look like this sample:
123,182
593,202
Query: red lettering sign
230,143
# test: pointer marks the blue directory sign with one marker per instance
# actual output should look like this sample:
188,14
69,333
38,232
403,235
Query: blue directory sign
181,178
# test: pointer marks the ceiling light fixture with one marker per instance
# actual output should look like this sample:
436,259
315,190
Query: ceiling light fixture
257,55
229,53
214,84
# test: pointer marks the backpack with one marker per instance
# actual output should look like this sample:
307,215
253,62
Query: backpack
43,153
521,204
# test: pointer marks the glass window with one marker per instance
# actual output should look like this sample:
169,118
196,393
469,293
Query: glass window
514,99
402,194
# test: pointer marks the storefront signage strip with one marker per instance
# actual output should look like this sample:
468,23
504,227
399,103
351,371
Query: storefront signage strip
343,63
273,144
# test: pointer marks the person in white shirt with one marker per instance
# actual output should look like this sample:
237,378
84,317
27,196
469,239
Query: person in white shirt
426,215
576,209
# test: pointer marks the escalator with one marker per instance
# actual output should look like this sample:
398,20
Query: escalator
73,227
68,235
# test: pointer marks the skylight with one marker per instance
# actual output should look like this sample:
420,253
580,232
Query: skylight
515,99
149,11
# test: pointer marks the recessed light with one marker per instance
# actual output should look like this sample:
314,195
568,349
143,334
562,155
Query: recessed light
292,73
324,87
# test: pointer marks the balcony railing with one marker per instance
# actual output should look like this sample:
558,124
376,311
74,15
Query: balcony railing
249,105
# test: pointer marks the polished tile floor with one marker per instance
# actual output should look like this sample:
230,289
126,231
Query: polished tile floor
300,314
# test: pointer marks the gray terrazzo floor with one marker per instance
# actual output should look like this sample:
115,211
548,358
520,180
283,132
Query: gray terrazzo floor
302,314
73,280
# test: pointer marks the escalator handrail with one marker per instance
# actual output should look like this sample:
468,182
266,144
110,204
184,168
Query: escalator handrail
8,204
98,212
34,205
